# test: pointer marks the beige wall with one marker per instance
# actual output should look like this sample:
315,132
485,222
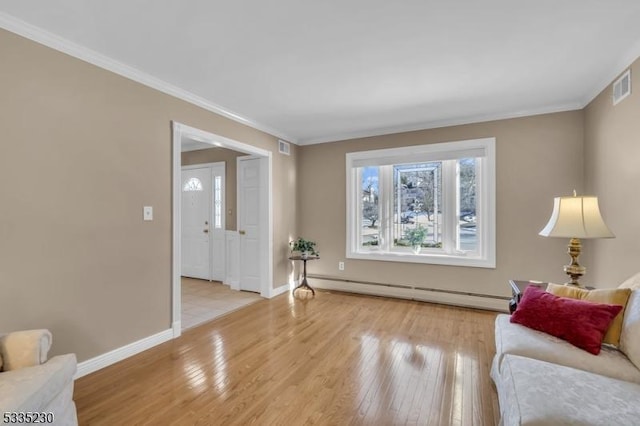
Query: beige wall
537,158
612,172
83,150
227,156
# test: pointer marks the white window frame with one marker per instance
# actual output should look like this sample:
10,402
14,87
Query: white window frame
483,149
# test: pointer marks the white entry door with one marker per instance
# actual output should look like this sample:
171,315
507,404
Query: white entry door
251,187
196,202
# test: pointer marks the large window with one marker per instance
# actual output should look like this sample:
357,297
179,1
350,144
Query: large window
429,203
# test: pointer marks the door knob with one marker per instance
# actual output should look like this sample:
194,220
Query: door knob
241,232
206,231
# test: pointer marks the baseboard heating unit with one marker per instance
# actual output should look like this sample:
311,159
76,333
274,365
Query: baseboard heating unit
447,297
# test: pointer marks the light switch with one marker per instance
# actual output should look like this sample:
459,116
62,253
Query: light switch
147,213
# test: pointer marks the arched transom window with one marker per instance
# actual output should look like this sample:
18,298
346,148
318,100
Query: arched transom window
193,184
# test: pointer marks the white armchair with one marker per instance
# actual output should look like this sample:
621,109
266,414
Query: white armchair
29,383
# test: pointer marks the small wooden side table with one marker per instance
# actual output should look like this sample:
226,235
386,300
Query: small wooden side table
517,289
304,284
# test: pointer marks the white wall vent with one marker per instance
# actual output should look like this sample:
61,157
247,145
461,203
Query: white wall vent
283,147
622,87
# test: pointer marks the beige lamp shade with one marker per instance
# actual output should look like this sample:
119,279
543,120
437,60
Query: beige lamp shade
576,217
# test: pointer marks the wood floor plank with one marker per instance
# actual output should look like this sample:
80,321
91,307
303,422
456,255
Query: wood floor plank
333,360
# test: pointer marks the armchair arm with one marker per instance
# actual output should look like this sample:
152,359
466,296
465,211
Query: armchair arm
21,349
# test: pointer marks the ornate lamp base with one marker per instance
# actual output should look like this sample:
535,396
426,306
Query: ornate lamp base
574,270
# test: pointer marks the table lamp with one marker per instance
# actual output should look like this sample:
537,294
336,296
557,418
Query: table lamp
576,217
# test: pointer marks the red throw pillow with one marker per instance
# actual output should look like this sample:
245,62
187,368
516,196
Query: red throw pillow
581,323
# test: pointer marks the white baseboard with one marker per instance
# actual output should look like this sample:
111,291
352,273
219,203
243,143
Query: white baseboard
176,326
111,357
278,291
466,300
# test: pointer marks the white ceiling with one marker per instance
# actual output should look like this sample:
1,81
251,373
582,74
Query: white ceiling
316,71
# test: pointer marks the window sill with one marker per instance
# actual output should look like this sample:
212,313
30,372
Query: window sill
430,258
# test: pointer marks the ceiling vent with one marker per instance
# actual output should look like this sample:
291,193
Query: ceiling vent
622,87
283,147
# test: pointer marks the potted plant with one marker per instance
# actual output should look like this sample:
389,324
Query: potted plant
305,247
415,237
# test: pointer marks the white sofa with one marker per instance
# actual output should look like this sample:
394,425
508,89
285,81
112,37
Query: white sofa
543,380
29,383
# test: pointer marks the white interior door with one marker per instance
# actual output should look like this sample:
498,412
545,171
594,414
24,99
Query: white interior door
196,202
250,188
217,230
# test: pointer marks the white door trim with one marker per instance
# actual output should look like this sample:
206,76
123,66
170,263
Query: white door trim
181,131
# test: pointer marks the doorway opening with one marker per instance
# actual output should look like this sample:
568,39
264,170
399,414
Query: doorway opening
228,242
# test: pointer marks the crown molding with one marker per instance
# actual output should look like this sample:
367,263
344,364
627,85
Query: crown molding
68,47
441,123
38,35
607,79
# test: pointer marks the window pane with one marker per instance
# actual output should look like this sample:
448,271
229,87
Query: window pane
370,213
440,196
417,204
467,230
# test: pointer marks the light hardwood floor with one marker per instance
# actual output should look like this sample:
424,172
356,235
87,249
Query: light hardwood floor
334,360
